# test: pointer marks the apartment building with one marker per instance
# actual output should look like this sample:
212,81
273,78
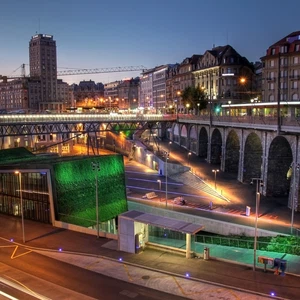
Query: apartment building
146,90
14,95
88,93
128,93
281,70
153,88
224,75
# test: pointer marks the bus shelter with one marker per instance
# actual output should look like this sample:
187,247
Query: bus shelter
137,229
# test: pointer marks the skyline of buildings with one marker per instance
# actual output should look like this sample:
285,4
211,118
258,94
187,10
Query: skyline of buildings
224,75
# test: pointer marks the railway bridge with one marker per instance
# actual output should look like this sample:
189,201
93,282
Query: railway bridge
249,146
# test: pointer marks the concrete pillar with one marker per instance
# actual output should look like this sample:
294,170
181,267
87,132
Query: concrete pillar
188,245
223,151
208,159
241,159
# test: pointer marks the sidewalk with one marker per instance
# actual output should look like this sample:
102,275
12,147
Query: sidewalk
232,281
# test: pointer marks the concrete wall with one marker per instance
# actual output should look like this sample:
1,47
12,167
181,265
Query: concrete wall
126,235
213,226
85,230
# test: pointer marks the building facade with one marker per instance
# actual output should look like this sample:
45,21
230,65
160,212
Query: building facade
281,70
43,66
14,95
224,75
128,93
88,94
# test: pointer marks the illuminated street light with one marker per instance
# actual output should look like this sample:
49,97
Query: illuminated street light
243,80
170,143
215,171
187,107
178,94
96,169
189,154
159,187
21,203
257,200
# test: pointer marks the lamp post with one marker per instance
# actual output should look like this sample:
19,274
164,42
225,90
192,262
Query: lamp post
166,166
295,172
257,200
159,187
96,169
21,203
189,154
198,104
178,94
229,102
215,171
187,108
170,143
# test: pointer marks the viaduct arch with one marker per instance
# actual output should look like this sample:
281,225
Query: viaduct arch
247,153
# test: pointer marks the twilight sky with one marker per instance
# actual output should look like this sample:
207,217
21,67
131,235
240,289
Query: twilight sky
117,33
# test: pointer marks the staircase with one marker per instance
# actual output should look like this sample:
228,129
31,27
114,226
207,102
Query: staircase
197,183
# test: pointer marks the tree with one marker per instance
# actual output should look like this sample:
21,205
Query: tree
193,96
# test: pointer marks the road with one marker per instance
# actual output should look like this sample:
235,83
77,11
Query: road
25,274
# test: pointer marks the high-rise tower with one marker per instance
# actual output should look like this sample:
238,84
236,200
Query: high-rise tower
43,67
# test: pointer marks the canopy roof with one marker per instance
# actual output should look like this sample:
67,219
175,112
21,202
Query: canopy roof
163,222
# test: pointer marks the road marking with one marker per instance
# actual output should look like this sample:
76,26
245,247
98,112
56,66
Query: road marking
16,248
8,296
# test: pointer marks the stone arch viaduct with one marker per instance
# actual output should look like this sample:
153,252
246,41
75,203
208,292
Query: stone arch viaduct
248,153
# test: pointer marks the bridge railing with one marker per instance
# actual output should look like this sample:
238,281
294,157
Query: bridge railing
39,118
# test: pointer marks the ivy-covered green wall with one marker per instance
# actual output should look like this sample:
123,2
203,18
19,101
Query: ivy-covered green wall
75,187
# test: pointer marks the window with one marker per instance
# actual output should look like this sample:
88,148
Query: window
273,51
297,48
272,63
283,85
283,49
283,61
294,84
283,97
295,60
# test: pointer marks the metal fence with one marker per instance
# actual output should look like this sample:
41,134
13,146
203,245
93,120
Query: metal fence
249,244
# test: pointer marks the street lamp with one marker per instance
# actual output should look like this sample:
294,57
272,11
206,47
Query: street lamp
215,171
229,102
189,154
257,200
159,187
166,166
96,169
187,107
198,104
178,94
170,143
21,203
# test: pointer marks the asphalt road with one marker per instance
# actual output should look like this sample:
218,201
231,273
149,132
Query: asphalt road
59,280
